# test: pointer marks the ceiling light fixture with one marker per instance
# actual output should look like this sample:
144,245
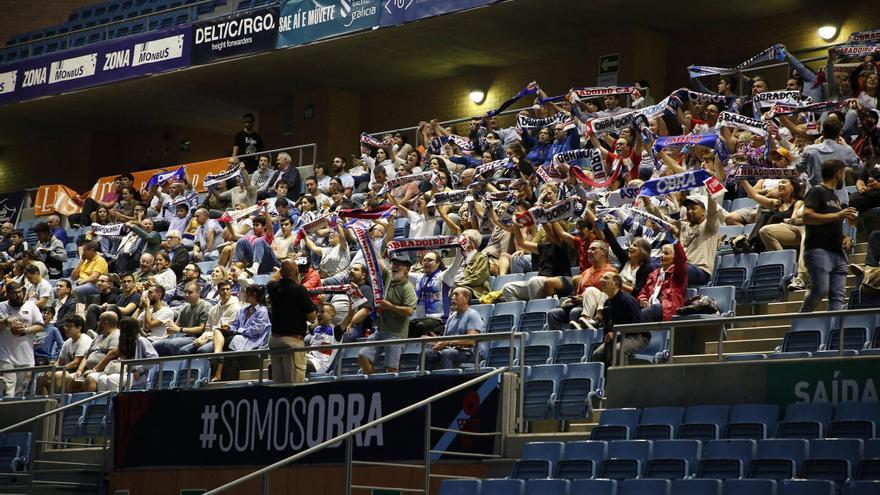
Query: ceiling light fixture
477,96
828,32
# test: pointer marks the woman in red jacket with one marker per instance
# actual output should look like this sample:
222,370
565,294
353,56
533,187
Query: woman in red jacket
665,290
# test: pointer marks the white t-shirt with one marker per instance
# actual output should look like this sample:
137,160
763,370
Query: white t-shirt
167,279
70,350
420,226
163,314
42,289
321,359
18,349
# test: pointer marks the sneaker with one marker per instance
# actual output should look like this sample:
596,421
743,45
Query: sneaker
797,284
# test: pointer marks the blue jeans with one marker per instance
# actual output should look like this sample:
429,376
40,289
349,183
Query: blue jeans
697,276
447,358
172,345
653,312
259,252
828,272
392,352
204,349
521,264
81,292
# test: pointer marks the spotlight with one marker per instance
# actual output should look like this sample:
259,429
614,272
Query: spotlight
477,96
828,33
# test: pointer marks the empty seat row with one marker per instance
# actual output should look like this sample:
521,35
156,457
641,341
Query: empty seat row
757,278
653,487
751,421
829,459
516,315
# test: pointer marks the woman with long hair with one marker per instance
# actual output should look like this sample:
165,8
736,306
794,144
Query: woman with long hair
132,345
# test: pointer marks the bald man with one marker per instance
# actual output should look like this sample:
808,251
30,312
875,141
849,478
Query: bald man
292,310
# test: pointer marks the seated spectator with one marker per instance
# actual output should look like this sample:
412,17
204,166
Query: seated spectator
86,273
665,290
20,320
210,292
325,333
208,237
191,273
698,232
322,201
475,273
463,320
249,330
619,308
73,352
47,344
37,290
219,317
123,303
164,276
146,271
189,323
64,303
334,258
580,309
50,250
177,252
153,315
432,293
104,349
262,177
131,346
58,232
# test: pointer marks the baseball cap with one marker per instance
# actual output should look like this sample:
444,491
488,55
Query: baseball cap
783,152
700,200
401,258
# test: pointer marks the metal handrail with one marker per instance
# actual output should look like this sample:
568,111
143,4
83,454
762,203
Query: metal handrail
725,323
348,435
54,411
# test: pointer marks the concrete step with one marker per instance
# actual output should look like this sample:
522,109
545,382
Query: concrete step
751,345
768,332
84,455
858,258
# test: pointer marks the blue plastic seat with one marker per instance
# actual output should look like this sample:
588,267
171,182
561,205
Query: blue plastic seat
460,487
625,459
575,347
581,459
166,378
547,487
696,487
646,487
724,296
778,459
594,487
806,335
502,280
703,422
856,332
807,487
502,487
657,349
349,361
855,420
807,421
506,316
616,424
832,459
540,347
673,459
541,305
538,460
498,355
868,470
485,311
872,448
725,459
734,270
581,383
198,373
861,488
770,277
532,322
540,388
749,487
15,451
755,421
659,423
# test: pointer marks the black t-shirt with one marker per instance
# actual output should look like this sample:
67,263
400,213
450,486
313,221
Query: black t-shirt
290,305
622,309
552,260
248,142
122,300
827,236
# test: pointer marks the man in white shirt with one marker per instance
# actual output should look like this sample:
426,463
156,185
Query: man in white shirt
153,314
322,200
73,351
37,289
219,318
19,321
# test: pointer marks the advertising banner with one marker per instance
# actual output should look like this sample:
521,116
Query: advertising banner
64,200
400,11
10,206
111,61
821,382
304,21
249,426
247,33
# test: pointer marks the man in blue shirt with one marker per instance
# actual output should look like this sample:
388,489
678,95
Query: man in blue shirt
463,320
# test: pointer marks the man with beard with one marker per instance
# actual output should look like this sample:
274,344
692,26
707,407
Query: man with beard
395,310
19,321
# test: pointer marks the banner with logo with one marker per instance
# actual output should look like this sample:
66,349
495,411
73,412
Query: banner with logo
254,426
10,206
304,21
400,11
157,51
64,200
237,35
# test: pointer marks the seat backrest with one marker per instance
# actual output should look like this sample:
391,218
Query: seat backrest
810,412
621,417
646,487
807,487
696,487
485,311
588,449
593,371
546,451
848,449
741,449
861,488
749,487
546,487
578,337
630,449
502,280
724,296
688,450
854,338
551,372
593,487
460,487
514,308
548,338
872,448
662,415
860,411
795,449
541,305
767,414
802,341
784,257
707,414
502,487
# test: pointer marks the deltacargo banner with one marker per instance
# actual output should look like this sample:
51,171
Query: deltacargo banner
304,21
400,11
261,425
158,51
254,31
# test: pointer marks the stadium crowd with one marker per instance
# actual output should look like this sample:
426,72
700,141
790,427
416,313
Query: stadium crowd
615,202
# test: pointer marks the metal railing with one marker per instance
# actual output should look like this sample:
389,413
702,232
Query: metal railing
109,28
426,403
725,323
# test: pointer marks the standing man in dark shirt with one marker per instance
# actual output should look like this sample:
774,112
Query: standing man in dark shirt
248,142
824,242
621,308
292,310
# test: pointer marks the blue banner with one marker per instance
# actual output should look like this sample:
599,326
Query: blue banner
70,70
399,11
304,21
10,206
